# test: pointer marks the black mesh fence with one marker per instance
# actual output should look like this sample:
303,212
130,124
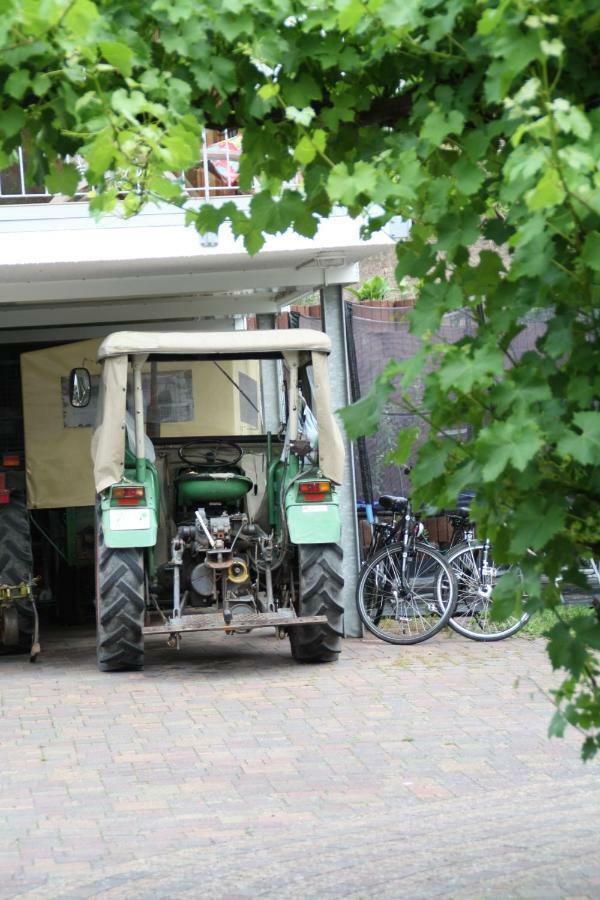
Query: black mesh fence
377,334
381,334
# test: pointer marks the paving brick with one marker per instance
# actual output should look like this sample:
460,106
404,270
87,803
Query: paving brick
226,770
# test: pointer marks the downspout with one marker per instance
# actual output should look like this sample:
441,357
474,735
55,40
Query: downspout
361,443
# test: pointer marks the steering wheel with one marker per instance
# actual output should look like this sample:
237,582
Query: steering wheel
211,456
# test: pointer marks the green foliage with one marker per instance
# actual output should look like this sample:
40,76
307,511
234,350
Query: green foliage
376,288
404,444
473,119
62,179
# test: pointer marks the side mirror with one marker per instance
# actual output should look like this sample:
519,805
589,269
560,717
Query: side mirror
80,388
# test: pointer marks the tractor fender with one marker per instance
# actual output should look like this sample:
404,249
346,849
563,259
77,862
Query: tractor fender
314,523
135,526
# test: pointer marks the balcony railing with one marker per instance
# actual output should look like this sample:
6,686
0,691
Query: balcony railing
214,176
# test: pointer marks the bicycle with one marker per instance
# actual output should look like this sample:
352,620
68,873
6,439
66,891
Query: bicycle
476,576
575,594
406,590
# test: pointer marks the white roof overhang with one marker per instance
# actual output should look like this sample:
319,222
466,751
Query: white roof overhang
63,273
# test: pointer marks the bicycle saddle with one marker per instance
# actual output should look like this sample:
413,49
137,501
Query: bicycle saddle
396,504
459,513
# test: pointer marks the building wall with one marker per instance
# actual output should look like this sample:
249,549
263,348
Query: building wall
383,264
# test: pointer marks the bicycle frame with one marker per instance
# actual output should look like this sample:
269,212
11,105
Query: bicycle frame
406,591
463,533
404,529
384,533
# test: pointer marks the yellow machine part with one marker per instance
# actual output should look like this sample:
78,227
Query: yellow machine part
11,592
237,572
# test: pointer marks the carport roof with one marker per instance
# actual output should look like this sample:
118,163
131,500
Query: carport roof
62,272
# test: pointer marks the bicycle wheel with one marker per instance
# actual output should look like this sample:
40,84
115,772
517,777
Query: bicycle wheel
406,608
471,616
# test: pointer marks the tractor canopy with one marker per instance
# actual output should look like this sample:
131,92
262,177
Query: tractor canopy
304,346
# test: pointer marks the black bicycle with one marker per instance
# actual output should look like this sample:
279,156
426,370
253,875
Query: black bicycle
407,590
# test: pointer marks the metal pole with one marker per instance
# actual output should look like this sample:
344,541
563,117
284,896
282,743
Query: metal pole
361,444
332,308
138,402
205,165
293,396
22,172
270,381
153,425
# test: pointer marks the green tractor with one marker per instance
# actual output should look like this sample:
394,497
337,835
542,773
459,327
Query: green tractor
186,538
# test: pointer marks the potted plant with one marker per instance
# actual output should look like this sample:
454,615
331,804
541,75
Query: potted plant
375,289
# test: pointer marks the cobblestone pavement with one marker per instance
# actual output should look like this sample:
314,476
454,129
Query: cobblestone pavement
226,770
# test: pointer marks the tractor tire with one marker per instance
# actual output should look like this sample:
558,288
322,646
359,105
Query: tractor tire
320,588
16,563
120,606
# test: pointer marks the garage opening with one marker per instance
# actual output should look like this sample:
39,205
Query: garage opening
46,482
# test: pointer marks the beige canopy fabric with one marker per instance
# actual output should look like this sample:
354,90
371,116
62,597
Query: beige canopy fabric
108,441
331,447
57,437
109,438
209,342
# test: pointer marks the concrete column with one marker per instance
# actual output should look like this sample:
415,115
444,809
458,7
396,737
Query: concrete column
270,381
334,324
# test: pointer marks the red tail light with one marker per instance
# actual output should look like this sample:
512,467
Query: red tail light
315,487
128,496
11,459
315,490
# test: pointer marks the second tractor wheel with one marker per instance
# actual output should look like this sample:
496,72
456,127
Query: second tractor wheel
16,562
320,592
120,606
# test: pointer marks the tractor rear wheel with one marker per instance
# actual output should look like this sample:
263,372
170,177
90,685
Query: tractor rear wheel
320,590
120,605
16,563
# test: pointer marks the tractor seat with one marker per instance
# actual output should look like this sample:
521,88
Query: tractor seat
207,486
396,504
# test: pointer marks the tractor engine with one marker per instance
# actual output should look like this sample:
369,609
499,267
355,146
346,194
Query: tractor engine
214,541
209,567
